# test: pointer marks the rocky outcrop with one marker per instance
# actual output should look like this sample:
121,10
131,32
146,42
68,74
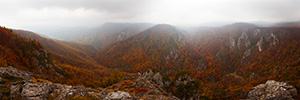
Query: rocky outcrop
15,90
157,78
36,91
41,91
267,41
119,95
247,53
243,41
232,43
146,86
13,72
273,90
65,91
148,74
134,86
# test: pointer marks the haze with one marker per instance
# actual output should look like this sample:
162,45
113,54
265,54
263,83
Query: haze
40,15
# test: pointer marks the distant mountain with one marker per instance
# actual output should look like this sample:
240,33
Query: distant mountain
67,33
110,33
212,62
75,54
287,24
228,59
159,46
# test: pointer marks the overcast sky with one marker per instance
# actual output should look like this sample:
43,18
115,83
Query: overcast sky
29,14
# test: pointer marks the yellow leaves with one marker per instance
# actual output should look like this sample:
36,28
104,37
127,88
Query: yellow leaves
34,80
111,90
143,97
3,62
153,96
100,88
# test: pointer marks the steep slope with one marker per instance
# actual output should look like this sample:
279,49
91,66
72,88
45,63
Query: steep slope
110,33
236,57
227,60
74,54
25,54
29,55
158,47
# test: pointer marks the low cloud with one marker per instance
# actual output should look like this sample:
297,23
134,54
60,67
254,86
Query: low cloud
72,13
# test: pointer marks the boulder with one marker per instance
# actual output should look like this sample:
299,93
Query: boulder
15,91
273,90
13,72
99,94
41,91
65,91
36,91
119,95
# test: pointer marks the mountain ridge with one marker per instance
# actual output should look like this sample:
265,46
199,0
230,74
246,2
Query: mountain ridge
110,33
225,62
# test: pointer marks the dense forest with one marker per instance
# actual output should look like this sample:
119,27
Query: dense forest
226,62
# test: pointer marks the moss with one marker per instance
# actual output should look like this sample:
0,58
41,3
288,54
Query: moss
13,79
166,78
58,70
2,82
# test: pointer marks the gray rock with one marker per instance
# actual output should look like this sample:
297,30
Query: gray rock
267,41
273,90
15,91
13,72
36,91
158,79
41,91
243,41
64,91
148,74
119,95
100,94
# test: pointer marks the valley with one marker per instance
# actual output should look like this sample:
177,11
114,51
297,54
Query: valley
217,62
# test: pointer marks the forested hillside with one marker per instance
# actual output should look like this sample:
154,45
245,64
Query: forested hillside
160,47
221,62
29,55
227,60
70,53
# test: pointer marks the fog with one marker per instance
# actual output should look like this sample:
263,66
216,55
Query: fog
45,15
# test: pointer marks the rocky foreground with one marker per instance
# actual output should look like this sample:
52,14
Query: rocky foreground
17,84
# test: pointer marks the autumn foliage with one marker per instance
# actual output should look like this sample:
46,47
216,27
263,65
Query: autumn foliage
226,61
